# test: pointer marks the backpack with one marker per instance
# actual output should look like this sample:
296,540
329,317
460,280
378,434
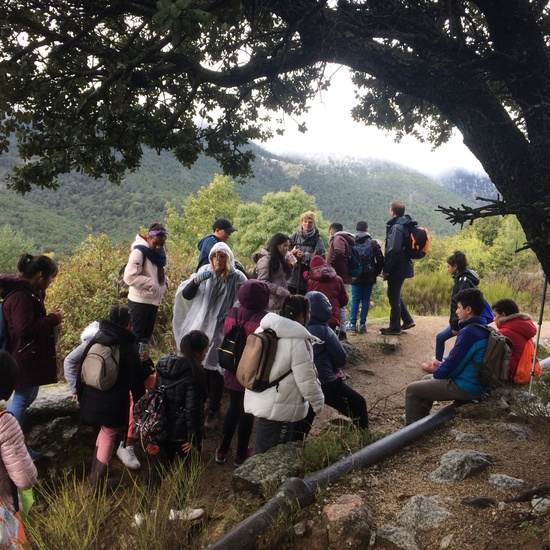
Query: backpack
418,243
525,364
256,361
122,288
150,421
355,266
100,366
366,257
493,370
232,346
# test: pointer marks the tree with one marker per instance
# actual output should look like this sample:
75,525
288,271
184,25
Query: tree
86,84
12,245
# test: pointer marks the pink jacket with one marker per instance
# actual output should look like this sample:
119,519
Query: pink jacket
141,275
15,461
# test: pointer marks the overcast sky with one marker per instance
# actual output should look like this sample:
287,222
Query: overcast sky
331,130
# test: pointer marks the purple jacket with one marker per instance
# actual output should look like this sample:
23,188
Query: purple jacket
31,332
253,297
338,254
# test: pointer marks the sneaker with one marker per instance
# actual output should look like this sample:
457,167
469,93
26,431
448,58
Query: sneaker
362,327
407,326
211,422
390,331
221,458
188,514
128,457
352,327
238,460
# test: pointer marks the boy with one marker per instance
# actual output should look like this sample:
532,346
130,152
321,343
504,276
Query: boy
455,378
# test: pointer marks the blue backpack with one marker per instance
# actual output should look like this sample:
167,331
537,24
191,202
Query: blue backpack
354,262
366,254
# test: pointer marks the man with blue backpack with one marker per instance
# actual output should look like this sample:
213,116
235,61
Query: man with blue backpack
372,262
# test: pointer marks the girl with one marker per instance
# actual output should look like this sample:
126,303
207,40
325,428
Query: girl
274,268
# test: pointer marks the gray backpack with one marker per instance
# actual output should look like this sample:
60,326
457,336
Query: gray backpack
100,366
493,370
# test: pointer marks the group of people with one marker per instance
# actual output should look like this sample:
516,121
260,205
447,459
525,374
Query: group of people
296,292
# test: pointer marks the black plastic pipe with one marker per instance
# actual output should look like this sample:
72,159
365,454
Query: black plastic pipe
297,493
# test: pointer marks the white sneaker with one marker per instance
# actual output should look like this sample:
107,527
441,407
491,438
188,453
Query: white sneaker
128,457
188,514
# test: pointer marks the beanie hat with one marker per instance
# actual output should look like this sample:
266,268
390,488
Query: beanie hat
316,261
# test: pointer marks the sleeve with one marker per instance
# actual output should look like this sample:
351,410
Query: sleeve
133,273
190,290
344,298
303,370
337,251
378,257
458,357
14,454
335,350
135,372
193,411
71,365
21,312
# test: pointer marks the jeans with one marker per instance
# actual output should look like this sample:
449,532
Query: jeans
360,295
22,400
399,311
440,339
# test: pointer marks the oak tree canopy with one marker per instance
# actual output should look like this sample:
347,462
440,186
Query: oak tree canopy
85,85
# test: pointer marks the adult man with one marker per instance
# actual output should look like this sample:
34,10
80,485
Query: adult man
397,267
456,376
338,258
221,231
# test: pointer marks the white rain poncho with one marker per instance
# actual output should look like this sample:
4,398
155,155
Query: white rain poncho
207,310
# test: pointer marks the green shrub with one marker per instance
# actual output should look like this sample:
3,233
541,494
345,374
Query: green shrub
428,294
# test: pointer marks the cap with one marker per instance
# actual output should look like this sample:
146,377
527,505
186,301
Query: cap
223,223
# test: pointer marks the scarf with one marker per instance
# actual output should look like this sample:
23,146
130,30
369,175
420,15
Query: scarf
156,257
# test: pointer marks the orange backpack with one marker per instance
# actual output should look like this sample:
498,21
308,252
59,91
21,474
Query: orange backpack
525,364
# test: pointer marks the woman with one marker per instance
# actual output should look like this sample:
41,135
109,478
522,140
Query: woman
108,409
278,407
274,268
31,331
304,244
184,401
253,298
17,470
202,303
145,276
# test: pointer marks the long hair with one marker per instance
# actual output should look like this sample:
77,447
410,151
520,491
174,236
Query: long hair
29,265
193,342
276,259
295,305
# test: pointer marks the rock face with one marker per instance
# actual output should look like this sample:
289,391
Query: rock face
457,464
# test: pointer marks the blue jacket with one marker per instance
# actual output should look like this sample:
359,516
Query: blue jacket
205,246
330,356
396,262
459,366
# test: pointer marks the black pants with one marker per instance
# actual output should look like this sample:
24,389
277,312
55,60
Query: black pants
347,401
235,417
144,317
399,311
270,433
215,383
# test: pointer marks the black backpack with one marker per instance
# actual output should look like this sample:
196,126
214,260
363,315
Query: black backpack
418,242
232,346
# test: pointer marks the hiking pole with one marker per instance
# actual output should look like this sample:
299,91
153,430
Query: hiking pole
538,336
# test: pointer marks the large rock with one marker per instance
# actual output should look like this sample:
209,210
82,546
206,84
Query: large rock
457,465
263,473
503,482
512,431
392,536
423,513
348,522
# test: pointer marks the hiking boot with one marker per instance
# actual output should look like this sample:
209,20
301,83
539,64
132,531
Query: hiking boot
238,460
128,457
362,327
390,331
407,326
221,458
188,514
352,327
211,421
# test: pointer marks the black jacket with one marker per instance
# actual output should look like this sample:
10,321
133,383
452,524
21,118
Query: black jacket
396,262
111,407
463,280
184,401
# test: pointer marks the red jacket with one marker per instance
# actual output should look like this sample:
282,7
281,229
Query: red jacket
519,328
338,254
31,332
324,279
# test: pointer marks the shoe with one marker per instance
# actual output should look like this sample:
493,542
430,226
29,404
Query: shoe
221,458
128,457
188,514
342,336
238,460
211,422
35,455
362,328
390,331
352,327
407,326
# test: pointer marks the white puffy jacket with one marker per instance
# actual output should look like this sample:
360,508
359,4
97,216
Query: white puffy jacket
288,401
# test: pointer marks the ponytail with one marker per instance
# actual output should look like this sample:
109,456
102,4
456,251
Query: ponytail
193,342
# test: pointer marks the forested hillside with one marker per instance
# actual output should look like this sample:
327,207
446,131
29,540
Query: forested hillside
345,191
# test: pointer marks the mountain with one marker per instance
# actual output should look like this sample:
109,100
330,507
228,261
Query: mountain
345,191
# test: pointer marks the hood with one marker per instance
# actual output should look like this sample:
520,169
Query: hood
140,239
172,367
317,261
90,331
287,328
467,274
520,323
362,236
222,247
9,283
321,310
402,220
347,236
254,295
322,273
110,334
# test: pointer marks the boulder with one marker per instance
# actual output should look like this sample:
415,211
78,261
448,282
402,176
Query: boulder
457,465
